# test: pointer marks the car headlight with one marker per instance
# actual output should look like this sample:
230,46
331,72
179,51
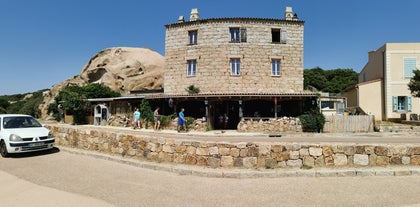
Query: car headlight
50,135
15,138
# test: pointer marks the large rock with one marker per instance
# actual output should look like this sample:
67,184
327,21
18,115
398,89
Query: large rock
123,69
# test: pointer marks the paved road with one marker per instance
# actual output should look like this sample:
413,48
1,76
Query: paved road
125,185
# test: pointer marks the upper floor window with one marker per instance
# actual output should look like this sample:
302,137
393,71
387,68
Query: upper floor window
278,36
237,34
193,37
192,67
275,67
409,66
364,77
235,66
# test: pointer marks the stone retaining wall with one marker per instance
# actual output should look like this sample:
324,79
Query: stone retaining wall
256,154
271,125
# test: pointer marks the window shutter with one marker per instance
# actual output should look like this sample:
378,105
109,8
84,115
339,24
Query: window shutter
243,34
283,36
409,103
409,66
395,102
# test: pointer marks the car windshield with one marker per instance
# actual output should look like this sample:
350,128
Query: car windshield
20,122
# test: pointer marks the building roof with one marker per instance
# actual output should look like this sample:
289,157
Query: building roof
220,95
236,19
202,95
114,98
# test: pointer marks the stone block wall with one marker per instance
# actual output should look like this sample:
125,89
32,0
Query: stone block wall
272,125
214,50
158,148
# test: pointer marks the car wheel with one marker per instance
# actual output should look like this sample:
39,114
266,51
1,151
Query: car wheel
3,149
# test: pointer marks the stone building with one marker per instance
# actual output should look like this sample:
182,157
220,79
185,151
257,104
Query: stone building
242,67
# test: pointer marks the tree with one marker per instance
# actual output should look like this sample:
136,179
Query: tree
332,81
414,84
146,112
73,99
340,79
3,105
96,90
31,105
314,77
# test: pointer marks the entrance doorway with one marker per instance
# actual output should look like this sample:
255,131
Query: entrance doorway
225,114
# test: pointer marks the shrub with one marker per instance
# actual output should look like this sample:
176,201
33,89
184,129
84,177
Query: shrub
192,89
146,113
165,121
312,121
189,120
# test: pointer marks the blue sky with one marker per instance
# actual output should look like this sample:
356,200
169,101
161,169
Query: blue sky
45,42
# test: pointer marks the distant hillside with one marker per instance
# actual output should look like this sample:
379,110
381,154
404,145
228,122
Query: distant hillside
122,69
27,103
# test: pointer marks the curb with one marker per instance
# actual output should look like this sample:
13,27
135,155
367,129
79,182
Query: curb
252,173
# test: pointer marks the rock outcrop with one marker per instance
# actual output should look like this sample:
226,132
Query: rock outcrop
123,69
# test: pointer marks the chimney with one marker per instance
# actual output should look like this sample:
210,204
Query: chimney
181,19
194,16
288,14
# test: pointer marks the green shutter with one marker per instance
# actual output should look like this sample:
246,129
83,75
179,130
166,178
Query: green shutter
395,102
409,103
409,66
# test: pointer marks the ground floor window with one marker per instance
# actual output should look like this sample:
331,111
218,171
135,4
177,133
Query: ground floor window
327,105
401,103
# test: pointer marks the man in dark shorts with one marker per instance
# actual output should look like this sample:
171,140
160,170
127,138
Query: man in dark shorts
181,121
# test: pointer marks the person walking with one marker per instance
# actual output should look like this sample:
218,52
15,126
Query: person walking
181,121
136,119
156,118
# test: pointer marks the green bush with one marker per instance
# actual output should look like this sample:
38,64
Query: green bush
312,121
146,113
189,120
165,121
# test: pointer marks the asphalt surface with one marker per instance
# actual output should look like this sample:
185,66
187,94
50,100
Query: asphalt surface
72,177
68,177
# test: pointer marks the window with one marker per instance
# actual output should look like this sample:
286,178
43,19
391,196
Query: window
235,66
193,37
237,34
234,34
409,66
401,103
192,67
275,35
243,34
275,67
327,105
278,36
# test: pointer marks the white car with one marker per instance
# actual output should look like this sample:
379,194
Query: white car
23,133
